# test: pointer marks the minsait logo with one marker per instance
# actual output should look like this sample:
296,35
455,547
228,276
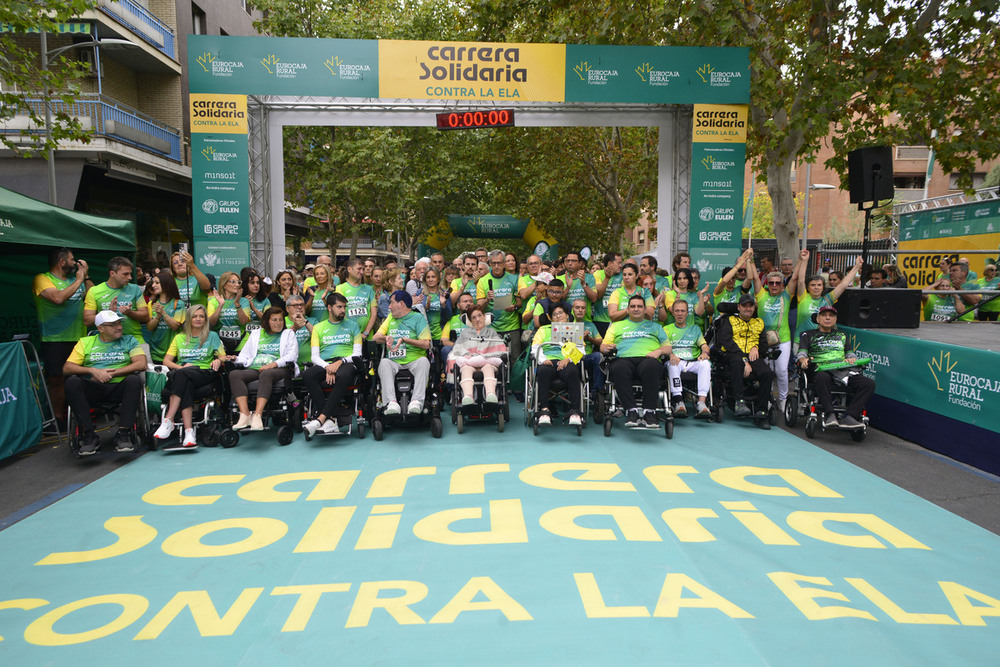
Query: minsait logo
210,206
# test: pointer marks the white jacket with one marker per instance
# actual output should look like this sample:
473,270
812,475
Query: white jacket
289,348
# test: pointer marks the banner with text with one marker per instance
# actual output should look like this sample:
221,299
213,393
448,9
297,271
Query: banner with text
220,182
717,166
972,226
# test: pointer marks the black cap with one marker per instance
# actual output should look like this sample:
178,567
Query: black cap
747,298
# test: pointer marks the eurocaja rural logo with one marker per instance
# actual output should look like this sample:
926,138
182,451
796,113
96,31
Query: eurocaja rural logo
964,389
346,71
655,77
715,78
217,67
594,76
853,343
213,155
282,70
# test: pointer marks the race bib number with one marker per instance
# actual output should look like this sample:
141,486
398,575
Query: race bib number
252,327
398,353
263,360
357,311
230,334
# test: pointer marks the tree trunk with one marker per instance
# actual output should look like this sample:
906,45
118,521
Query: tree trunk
786,223
354,245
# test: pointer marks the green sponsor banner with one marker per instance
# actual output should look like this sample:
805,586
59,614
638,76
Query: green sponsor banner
283,66
950,380
657,74
966,220
488,226
710,260
716,213
20,417
220,201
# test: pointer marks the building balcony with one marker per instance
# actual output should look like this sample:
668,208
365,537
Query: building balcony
909,194
111,119
142,22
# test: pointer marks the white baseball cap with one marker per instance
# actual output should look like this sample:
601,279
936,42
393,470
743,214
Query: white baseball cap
106,317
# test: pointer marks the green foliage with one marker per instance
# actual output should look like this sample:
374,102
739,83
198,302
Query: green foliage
992,179
23,78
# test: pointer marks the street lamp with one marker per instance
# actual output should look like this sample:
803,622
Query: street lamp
46,54
803,239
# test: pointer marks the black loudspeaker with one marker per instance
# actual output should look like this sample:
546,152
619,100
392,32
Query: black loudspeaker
869,174
881,308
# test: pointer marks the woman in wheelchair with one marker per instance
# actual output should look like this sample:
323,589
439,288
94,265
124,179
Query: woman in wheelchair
268,356
478,348
194,358
828,344
552,363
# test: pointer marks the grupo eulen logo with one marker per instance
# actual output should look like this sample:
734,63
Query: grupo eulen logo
706,214
210,206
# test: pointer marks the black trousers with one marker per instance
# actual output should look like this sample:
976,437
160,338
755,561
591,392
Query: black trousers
859,389
544,375
759,370
315,381
82,391
185,382
649,372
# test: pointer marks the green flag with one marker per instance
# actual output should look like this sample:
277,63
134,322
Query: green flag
748,209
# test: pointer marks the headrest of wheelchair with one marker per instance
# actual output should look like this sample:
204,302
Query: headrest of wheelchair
728,308
465,319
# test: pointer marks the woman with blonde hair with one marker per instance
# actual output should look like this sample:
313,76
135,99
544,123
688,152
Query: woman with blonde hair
317,293
229,311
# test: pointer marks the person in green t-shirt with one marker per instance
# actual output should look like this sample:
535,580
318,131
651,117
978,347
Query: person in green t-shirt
118,294
552,363
192,284
618,301
166,314
733,284
606,281
989,311
194,358
105,369
943,306
810,292
499,284
827,344
453,327
361,299
268,355
591,337
336,350
300,325
579,284
59,295
406,338
688,354
639,344
229,311
774,302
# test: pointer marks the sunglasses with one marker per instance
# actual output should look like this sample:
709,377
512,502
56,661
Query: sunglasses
775,282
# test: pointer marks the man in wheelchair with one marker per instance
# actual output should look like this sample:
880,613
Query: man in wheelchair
825,345
336,347
743,342
103,369
406,338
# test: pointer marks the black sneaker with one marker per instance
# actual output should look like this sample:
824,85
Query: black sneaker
830,421
742,409
123,441
88,444
851,423
650,421
632,419
764,424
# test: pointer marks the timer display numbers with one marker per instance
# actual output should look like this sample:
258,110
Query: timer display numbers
474,120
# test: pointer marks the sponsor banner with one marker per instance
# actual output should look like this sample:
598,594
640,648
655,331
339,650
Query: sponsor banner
488,226
958,382
20,417
471,71
716,213
657,74
720,123
220,114
710,261
283,66
972,226
220,165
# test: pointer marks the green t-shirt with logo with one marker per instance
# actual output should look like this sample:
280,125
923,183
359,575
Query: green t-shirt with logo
505,285
774,311
692,300
361,302
228,326
190,291
727,296
994,305
807,306
600,311
92,352
826,348
59,322
452,326
100,297
685,342
303,337
193,351
635,339
412,325
942,308
621,296
160,337
268,350
432,305
336,339
576,291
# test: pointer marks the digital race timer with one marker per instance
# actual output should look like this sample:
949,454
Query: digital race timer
473,120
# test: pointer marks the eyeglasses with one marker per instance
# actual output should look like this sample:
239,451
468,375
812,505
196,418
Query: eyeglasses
775,282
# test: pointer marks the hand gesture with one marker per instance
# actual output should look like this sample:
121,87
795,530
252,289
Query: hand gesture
754,354
81,269
101,375
859,262
804,254
804,362
188,259
563,363
702,294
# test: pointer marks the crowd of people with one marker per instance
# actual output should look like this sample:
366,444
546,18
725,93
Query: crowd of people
314,322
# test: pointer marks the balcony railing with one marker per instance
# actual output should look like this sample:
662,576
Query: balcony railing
142,22
116,121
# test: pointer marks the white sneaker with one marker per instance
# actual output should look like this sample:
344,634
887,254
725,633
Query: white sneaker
781,406
190,440
492,398
166,428
256,422
467,400
311,427
330,427
392,408
575,420
415,407
243,422
544,420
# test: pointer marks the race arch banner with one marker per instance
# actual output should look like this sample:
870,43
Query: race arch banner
224,70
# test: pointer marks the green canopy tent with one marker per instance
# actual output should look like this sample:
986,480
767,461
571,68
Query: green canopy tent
28,230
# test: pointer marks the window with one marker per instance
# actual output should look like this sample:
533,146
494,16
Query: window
198,21
977,180
642,237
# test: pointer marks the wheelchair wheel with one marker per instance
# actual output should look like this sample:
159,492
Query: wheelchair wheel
811,427
377,429
506,411
579,430
599,407
607,426
152,440
718,413
534,426
229,438
360,430
500,422
210,436
858,435
791,411
459,423
668,428
285,435
772,416
437,427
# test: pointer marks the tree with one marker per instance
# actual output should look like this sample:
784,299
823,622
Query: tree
24,79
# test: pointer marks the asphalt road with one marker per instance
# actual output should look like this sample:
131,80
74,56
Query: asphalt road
49,471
